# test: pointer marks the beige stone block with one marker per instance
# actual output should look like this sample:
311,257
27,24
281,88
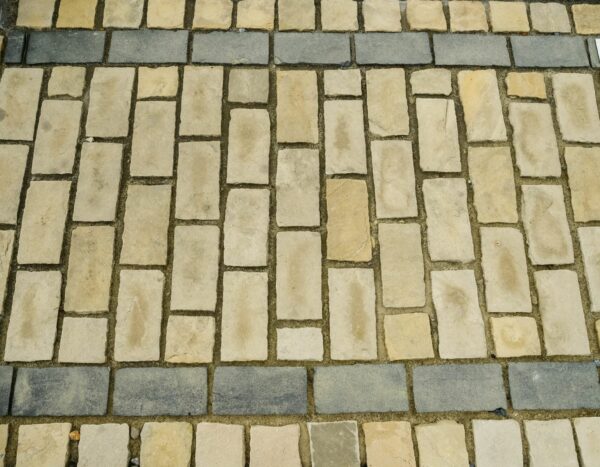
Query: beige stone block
589,239
576,107
526,84
551,443
296,15
425,15
249,146
382,15
352,314
342,82
515,337
348,225
248,85
256,14
7,238
220,444
139,316
345,146
32,326
439,150
3,443
275,446
35,13
201,101
162,81
190,339
442,444
105,444
19,97
83,340
546,227
549,17
297,106
431,81
339,15
588,435
460,325
198,190
76,14
386,101
508,16
123,13
498,443
43,444
67,81
300,344
467,16
43,224
213,14
583,167
167,15
13,160
563,320
586,18
166,443
408,336
244,316
389,444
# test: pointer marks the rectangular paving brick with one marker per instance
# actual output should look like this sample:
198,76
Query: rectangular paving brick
345,145
250,390
7,238
201,101
498,442
588,431
231,47
160,391
386,102
334,443
15,47
76,14
312,48
6,378
589,239
148,46
256,14
548,51
13,159
65,47
406,48
583,164
551,442
297,106
19,97
458,388
248,146
296,15
470,50
576,108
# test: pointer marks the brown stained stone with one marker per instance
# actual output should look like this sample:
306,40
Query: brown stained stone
408,336
249,146
467,16
389,444
190,339
576,107
339,15
508,16
515,336
381,15
256,14
66,81
549,17
213,14
386,102
83,340
35,13
586,18
425,15
345,146
19,96
297,106
43,445
201,101
13,159
526,84
76,14
123,14
166,444
583,167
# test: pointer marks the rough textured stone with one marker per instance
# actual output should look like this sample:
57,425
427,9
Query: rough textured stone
576,107
256,14
334,443
467,16
83,340
76,14
386,102
46,445
546,51
345,82
382,48
583,166
425,15
65,47
442,444
588,434
275,445
589,239
190,339
166,444
408,336
67,81
19,97
212,14
296,15
498,443
220,444
471,50
165,15
249,146
148,46
345,145
339,15
313,48
551,443
515,336
381,15
35,13
120,14
431,81
105,444
526,84
586,18
201,101
231,47
389,444
299,344
13,159
248,85
297,106
549,17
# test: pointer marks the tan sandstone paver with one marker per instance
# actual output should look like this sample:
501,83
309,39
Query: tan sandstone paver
19,96
105,444
467,16
67,81
589,238
382,15
586,18
76,14
166,444
249,145
220,444
515,336
275,446
498,443
345,146
13,160
6,252
583,167
120,14
201,101
549,17
247,85
526,84
297,106
442,444
35,13
576,107
508,16
190,339
83,340
296,15
389,444
408,336
425,14
588,433
551,443
213,14
386,101
157,82
299,344
342,82
165,15
44,444
256,14
339,15
431,81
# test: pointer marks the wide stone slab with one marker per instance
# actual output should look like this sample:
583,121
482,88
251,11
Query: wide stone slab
65,47
231,47
406,48
312,48
148,46
470,49
549,51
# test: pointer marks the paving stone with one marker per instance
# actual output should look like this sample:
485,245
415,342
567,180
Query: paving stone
6,253
334,443
314,48
15,46
256,14
157,82
244,316
3,442
201,101
297,106
6,378
586,18
593,51
120,14
551,443
35,13
67,81
386,101
148,46
408,336
576,107
562,314
526,84
160,391
166,444
431,81
339,15
231,47
467,16
582,165
549,51
76,14
212,14
381,15
589,240
83,340
195,267
296,15
387,48
553,385
460,325
345,145
105,444
139,315
442,443
65,47
249,146
98,182
190,339
352,315
588,434
13,159
389,444
298,273
19,97
498,443
43,444
545,221
470,50
425,15
275,445
515,336
360,388
198,192
299,344
549,17
220,444
251,390
167,16
458,388
508,17
65,391
248,85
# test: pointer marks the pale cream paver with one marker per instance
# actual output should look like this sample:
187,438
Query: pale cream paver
342,82
248,85
139,315
296,15
402,270
382,15
153,139
76,14
19,97
44,444
83,340
297,106
167,15
534,139
13,160
583,167
586,18
244,316
195,267
546,227
526,84
275,446
90,269
348,226
67,81
123,14
394,178
505,270
166,444
298,275
448,227
408,336
339,15
589,239
198,191
3,443
352,326
6,252
431,81
467,16
162,81
460,325
481,105
498,443
299,344
201,101
386,101
298,185
561,309
220,444
425,15
246,227
551,443
35,13
105,444
508,16
549,17
345,146
43,225
213,14
146,225
110,102
98,182
56,137
515,336
439,150
442,444
249,146
576,107
491,174
588,439
389,444
32,325
190,339
256,14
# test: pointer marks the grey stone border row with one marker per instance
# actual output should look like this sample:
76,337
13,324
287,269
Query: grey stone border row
148,46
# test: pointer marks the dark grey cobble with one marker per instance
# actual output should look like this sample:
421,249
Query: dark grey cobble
312,48
6,374
13,51
391,48
470,50
148,46
549,51
231,47
65,47
593,49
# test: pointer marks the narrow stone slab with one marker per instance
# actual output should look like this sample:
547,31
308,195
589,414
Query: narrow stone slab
6,376
201,101
406,48
7,238
248,146
160,391
13,160
297,106
549,51
589,238
231,47
65,47
576,107
470,49
583,167
148,46
251,390
19,97
334,443
66,391
345,146
315,48
386,101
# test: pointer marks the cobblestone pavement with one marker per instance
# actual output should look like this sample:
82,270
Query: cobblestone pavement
287,234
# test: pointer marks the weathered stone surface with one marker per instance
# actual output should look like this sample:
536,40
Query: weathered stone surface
165,15
299,344
190,339
6,379
381,15
249,146
7,238
515,336
408,336
425,15
583,166
231,47
213,14
431,81
148,46
345,146
46,445
345,82
120,14
498,443
334,443
76,14
83,340
314,48
339,15
386,101
544,51
576,107
3,443
389,444
471,50
551,443
105,444
442,443
389,48
166,444
549,17
588,434
70,46
13,159
67,81
508,17
19,97
296,15
275,445
220,444
256,14
526,84
248,85
589,239
467,16
35,13
157,82
201,101
297,106
586,18
15,46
